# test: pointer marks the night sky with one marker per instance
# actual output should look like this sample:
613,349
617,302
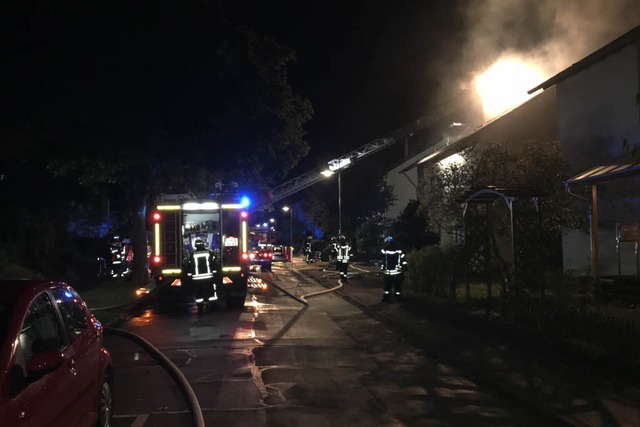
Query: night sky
367,67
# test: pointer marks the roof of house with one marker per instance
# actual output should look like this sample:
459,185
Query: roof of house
623,41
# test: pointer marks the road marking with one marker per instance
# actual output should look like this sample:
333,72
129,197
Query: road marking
140,420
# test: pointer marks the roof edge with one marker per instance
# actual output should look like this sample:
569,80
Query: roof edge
621,42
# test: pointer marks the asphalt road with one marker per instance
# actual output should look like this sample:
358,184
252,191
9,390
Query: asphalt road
278,362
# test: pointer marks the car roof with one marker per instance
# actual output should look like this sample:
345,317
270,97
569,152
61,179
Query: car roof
12,290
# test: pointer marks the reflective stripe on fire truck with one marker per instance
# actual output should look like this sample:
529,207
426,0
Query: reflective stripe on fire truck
156,230
193,206
244,237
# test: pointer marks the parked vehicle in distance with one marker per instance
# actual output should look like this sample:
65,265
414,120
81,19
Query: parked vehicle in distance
279,254
54,369
262,257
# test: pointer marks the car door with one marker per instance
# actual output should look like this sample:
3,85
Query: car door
83,350
46,399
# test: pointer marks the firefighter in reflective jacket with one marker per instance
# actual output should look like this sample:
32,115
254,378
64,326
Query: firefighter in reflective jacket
393,267
342,250
201,271
308,250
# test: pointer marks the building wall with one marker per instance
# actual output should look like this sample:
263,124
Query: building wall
533,120
404,190
597,110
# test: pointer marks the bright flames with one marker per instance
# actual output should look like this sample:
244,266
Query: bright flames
504,85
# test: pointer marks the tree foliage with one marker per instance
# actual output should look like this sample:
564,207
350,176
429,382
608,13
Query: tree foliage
538,166
411,229
149,97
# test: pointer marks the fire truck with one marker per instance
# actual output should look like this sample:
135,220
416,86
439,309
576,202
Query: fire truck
220,221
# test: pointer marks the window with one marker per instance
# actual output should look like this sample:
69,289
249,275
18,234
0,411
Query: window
40,331
72,310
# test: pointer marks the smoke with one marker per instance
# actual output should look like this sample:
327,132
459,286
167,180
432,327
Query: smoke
550,33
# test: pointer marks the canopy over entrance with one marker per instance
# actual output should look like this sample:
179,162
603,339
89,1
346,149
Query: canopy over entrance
593,177
599,174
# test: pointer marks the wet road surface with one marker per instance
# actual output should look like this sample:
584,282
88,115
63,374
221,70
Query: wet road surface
279,362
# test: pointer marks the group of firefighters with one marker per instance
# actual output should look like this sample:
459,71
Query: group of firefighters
393,265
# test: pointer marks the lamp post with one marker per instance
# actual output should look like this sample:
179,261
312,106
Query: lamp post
290,210
339,204
337,166
272,230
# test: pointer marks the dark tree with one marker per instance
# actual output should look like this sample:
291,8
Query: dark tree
411,230
150,97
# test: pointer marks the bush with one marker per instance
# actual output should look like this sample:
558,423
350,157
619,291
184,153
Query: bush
431,268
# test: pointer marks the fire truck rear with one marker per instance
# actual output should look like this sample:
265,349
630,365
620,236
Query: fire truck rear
221,222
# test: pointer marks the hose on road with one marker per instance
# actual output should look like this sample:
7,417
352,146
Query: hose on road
192,400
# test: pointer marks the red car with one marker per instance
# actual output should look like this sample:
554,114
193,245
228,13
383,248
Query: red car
54,369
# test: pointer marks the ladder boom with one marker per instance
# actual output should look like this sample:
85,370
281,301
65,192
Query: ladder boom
408,130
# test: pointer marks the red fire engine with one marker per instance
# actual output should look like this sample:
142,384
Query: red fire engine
221,223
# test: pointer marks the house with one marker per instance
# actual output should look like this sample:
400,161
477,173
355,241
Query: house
590,108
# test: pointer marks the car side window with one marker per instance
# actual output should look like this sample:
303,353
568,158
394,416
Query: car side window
40,331
72,310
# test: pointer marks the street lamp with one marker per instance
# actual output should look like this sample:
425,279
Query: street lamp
338,166
290,210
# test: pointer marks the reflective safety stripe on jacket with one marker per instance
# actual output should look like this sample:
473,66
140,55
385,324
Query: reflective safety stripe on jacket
202,268
393,262
342,253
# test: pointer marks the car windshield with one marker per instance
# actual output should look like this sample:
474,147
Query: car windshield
5,314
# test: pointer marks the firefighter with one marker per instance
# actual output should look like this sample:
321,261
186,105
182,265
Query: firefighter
393,267
308,251
115,254
126,255
201,272
342,249
334,250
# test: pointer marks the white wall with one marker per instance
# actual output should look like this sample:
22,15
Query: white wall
404,189
597,109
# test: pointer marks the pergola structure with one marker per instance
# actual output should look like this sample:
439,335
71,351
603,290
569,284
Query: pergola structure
488,196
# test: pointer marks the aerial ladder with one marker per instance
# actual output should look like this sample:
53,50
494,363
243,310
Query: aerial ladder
310,178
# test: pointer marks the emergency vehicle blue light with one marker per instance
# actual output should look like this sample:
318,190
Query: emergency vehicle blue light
245,201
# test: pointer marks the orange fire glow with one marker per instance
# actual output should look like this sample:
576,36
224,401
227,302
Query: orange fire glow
504,85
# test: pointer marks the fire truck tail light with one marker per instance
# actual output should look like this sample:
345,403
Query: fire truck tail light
244,215
157,259
245,256
156,216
